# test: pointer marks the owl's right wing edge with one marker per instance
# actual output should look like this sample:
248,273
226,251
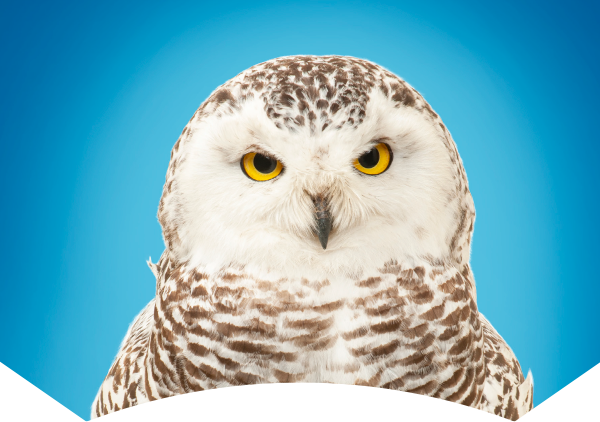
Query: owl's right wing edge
123,386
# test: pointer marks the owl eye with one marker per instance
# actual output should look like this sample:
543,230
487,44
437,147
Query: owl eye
259,167
375,161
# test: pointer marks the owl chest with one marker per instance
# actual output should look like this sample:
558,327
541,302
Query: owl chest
385,336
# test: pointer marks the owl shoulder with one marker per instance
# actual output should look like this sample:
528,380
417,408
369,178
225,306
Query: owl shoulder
123,386
506,391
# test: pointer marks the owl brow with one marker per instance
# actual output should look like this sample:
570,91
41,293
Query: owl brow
372,143
260,150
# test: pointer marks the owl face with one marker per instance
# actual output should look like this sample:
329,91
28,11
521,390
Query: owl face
252,185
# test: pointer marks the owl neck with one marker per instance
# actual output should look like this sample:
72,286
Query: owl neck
212,289
169,268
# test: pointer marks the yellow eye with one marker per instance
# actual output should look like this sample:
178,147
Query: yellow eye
375,161
259,167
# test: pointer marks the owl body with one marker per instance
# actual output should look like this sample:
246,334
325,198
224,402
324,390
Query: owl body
248,293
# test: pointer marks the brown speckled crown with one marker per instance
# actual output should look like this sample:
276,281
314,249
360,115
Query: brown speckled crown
310,90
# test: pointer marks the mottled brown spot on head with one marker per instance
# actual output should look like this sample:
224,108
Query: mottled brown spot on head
294,89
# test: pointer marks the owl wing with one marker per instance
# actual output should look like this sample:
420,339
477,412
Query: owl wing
506,392
124,386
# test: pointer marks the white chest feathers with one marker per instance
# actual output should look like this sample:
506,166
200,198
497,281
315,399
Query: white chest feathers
386,328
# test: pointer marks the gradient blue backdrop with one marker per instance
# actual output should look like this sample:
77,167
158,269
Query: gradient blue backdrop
93,96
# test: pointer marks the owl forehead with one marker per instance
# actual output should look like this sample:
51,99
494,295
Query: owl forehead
318,93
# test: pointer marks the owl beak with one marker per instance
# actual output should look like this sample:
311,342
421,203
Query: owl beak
322,219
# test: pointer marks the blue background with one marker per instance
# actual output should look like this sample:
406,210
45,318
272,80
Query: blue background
94,95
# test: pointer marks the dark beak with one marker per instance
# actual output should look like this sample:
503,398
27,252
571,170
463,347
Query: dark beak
322,219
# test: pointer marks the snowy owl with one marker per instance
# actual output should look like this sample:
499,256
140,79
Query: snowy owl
317,222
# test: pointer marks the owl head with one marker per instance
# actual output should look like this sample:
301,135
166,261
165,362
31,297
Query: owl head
316,163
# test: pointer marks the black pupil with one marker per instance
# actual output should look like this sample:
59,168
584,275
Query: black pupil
369,159
264,164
